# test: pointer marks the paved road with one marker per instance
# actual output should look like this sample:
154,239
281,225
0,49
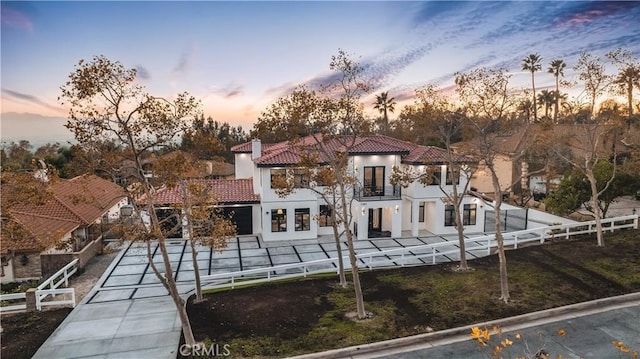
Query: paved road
588,334
589,329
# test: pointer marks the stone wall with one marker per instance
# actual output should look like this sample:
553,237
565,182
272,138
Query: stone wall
27,266
52,263
89,251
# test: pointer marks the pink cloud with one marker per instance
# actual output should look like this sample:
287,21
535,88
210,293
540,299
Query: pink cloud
16,19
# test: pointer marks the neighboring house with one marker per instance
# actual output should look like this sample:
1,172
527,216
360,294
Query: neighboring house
73,215
378,207
512,165
211,169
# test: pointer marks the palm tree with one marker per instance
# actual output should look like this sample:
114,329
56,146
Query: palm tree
546,98
628,76
384,104
556,67
532,63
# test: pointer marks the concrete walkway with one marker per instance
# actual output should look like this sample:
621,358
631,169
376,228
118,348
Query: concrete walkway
135,328
128,314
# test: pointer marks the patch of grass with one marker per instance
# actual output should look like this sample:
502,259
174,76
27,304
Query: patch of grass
302,316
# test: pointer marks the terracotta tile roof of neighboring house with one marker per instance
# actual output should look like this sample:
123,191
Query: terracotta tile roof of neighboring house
289,153
75,202
225,192
246,147
434,155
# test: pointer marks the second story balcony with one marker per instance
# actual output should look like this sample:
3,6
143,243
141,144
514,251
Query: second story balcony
377,193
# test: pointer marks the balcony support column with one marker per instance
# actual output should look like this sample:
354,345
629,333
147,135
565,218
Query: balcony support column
415,207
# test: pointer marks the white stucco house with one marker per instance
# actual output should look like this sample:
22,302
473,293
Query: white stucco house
379,209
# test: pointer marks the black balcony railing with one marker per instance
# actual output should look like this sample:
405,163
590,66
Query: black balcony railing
378,193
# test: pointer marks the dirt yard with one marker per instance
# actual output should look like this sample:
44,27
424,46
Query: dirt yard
309,315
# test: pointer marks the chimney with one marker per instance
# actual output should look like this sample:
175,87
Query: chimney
256,148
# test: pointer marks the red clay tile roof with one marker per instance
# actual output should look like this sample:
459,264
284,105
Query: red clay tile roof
75,202
226,191
246,147
288,153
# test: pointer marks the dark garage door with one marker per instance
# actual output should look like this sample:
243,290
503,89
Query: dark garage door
242,218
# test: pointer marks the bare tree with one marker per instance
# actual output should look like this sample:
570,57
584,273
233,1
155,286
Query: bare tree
586,142
484,93
336,116
592,73
206,223
106,104
444,122
628,76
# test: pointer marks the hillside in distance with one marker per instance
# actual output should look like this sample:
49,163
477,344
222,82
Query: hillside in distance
37,129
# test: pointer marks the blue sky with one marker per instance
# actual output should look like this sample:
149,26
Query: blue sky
238,57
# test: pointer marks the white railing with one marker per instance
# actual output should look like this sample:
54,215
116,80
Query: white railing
48,288
400,256
61,276
18,306
43,293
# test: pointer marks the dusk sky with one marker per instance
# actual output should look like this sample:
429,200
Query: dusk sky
238,57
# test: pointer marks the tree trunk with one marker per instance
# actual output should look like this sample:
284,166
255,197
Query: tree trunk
596,208
502,257
336,235
463,250
196,269
535,106
194,252
356,277
175,295
167,280
630,102
556,102
352,254
459,224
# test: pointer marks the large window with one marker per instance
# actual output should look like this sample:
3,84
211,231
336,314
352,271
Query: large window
449,215
374,181
436,175
278,178
303,219
324,217
279,220
469,215
456,174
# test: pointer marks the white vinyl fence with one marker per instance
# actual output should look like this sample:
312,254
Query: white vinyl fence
408,255
48,288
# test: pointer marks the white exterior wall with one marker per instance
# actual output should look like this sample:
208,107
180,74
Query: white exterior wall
392,213
114,212
388,161
244,165
8,272
434,217
269,195
290,206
